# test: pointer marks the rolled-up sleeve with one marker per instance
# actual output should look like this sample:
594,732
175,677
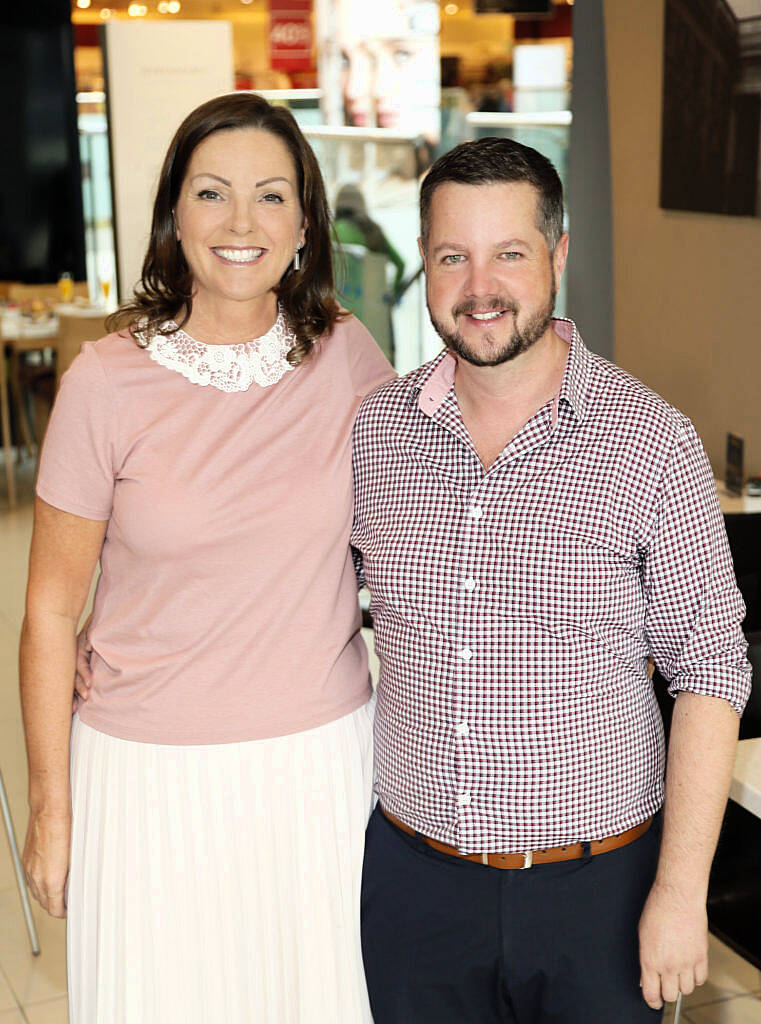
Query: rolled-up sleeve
695,608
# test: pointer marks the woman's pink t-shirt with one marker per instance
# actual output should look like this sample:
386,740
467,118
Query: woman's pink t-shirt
226,608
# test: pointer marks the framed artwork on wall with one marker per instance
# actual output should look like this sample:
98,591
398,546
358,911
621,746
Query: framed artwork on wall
711,127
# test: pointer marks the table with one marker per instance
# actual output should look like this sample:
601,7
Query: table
22,339
731,504
734,893
746,777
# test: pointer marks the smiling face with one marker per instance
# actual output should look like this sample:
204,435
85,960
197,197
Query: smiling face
239,220
491,279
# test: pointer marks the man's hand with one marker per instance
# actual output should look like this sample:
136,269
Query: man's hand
673,944
673,928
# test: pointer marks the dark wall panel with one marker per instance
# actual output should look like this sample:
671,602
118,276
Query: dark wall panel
41,222
589,273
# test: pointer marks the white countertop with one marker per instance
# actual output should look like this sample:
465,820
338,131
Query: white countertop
731,503
75,309
746,778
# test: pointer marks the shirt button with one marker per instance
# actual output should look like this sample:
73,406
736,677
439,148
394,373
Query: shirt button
462,728
476,511
466,654
463,799
470,583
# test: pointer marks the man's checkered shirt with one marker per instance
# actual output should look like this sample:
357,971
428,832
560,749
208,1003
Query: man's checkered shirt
515,610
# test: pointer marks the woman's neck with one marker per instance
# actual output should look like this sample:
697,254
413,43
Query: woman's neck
231,323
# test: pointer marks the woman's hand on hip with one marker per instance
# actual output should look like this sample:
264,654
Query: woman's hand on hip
84,676
46,859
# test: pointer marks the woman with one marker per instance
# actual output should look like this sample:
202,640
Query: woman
209,856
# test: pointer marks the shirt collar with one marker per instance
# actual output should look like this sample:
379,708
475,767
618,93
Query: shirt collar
574,389
430,385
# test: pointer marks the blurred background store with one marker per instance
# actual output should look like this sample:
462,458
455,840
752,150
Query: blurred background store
634,103
378,97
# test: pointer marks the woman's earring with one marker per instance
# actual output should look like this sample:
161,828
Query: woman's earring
297,259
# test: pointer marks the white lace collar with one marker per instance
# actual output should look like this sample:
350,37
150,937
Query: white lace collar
225,367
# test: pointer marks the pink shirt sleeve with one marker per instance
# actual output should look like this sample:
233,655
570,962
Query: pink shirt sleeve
76,471
369,367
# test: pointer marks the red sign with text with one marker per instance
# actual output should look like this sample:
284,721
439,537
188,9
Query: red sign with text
291,35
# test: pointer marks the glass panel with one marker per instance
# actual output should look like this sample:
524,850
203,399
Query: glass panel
96,194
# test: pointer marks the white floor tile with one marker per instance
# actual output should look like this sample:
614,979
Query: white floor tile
16,528
15,531
739,1010
7,999
728,975
13,767
11,1017
32,979
55,1011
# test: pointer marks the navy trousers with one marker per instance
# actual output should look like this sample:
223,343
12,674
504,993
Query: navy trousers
447,941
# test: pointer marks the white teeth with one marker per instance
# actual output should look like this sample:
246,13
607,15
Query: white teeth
487,316
238,255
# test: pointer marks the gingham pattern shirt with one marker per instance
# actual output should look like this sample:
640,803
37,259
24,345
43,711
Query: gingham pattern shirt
515,609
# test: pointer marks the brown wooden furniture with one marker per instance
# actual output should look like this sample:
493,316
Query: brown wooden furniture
65,336
17,292
74,329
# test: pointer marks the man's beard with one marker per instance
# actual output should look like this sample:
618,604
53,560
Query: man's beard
521,339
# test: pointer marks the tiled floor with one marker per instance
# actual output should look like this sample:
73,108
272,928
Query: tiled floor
33,989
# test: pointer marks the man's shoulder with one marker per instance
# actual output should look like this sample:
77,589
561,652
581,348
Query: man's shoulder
618,397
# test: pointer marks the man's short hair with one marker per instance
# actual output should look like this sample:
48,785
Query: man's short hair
490,161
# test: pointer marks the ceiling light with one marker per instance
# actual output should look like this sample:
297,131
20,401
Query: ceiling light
174,6
105,13
136,10
83,4
246,1
451,9
163,7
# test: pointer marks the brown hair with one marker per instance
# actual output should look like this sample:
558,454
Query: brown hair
489,160
307,296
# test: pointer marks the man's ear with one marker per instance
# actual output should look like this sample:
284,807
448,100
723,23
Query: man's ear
421,247
559,257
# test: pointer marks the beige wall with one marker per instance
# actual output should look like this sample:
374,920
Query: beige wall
687,285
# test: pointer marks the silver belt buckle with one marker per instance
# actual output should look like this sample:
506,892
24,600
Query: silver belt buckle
528,859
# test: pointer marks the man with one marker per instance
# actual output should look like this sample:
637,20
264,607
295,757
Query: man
535,525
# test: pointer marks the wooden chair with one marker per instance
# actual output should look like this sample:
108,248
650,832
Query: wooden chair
74,329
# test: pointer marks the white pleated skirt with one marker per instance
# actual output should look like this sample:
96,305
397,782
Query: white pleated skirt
219,883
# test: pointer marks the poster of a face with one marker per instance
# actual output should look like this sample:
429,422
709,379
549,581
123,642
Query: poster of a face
379,64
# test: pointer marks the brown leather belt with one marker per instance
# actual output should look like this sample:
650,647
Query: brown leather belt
526,860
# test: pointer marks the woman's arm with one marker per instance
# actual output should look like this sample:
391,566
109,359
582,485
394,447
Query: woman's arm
65,551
